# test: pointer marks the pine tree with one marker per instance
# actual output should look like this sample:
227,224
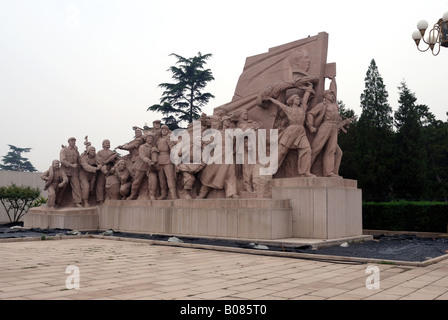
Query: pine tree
13,161
409,119
376,111
436,137
373,157
183,99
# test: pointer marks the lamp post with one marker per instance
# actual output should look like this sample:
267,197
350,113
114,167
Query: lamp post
437,36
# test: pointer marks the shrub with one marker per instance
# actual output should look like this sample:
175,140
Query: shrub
17,200
421,216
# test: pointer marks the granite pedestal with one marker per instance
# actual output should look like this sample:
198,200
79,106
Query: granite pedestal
323,208
311,208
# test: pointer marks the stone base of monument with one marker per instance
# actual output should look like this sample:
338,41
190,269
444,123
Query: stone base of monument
301,208
223,218
64,218
323,208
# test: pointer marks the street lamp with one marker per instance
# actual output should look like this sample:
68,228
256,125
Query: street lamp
437,36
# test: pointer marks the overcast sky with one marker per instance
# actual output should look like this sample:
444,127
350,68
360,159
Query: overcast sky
92,67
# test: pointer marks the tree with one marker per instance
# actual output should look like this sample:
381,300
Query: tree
14,161
347,142
183,99
410,172
18,200
436,139
374,154
376,111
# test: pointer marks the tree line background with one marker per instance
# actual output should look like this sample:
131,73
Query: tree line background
401,155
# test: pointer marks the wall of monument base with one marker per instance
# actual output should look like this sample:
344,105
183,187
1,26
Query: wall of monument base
66,218
227,218
312,208
323,208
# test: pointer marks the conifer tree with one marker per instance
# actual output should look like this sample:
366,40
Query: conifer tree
373,157
410,172
14,161
183,99
436,137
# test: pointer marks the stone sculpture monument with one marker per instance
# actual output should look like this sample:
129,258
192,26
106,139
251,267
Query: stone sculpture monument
282,127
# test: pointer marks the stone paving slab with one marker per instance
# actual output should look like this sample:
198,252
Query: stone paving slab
134,270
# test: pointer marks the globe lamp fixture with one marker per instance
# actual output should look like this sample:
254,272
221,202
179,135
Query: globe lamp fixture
436,37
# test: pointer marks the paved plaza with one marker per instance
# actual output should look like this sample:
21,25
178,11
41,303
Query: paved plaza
134,270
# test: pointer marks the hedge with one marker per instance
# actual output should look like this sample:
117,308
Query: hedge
422,216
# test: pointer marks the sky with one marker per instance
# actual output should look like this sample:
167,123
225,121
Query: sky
92,67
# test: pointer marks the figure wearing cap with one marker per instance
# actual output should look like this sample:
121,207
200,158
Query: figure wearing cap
167,175
156,129
133,145
323,120
145,168
106,159
70,161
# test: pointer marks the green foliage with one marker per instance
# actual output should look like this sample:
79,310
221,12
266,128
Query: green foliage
376,111
13,161
410,170
17,200
422,216
183,99
410,162
38,202
347,142
436,140
374,149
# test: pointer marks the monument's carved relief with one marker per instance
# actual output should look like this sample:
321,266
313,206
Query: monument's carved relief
281,111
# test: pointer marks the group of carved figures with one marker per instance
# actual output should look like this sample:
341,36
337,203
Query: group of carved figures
147,171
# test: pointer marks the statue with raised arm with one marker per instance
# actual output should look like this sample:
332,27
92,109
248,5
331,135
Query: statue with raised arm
132,146
294,136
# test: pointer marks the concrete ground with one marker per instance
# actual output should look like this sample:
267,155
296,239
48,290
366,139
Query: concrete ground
134,270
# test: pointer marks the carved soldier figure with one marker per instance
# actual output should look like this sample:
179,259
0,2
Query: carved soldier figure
69,159
106,159
55,181
87,173
187,168
132,147
145,168
219,175
156,129
294,136
248,163
324,120
124,177
167,176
